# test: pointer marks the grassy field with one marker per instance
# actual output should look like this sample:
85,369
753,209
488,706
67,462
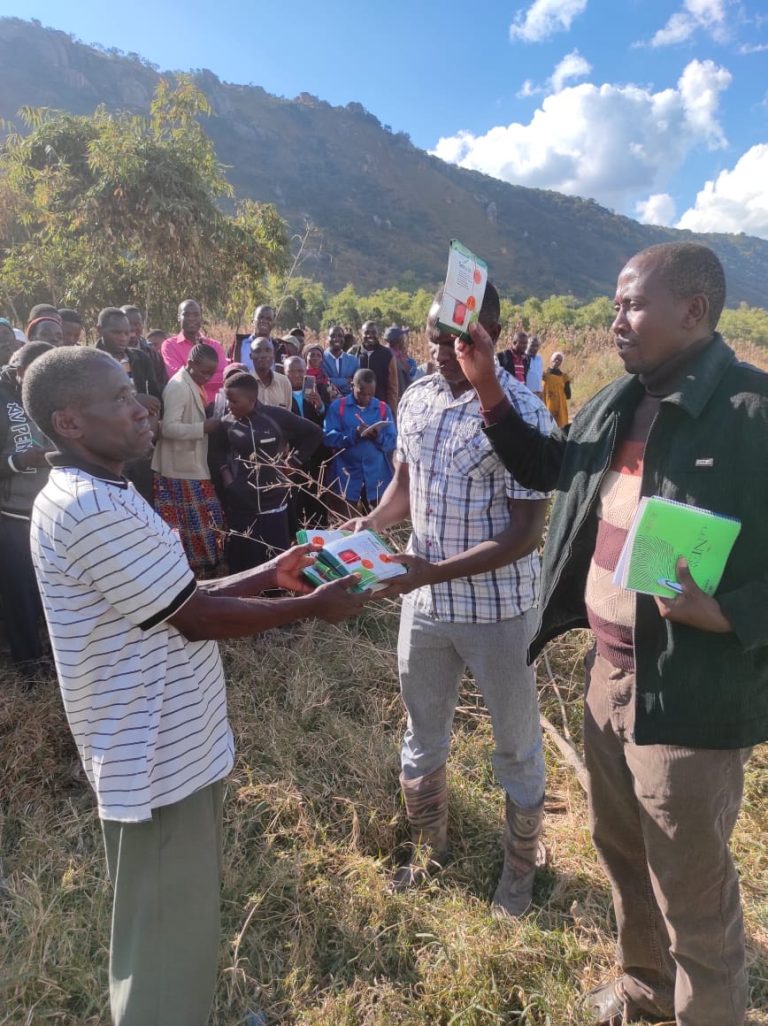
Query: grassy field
311,935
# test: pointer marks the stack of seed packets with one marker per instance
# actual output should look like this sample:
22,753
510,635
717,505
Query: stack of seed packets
342,553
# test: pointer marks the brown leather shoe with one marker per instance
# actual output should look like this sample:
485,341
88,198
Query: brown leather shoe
609,1007
605,1004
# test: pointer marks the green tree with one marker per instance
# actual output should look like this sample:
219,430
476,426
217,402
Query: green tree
110,208
344,309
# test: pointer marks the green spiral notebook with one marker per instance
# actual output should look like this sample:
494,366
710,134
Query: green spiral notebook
662,531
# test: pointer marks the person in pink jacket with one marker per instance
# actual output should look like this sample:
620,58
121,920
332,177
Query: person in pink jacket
176,349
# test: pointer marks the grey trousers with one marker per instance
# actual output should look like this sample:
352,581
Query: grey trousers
432,656
662,818
165,917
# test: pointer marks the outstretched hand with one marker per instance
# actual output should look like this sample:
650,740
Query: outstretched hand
288,566
337,602
692,606
420,572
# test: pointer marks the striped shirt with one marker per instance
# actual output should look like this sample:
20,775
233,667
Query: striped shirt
459,494
146,706
611,609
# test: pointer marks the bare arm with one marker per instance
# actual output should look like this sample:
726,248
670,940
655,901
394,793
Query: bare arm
231,607
521,537
394,506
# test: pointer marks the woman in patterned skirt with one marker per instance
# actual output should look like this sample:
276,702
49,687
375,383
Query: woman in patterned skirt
184,493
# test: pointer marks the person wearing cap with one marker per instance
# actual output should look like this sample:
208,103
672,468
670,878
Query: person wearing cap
339,365
263,323
397,340
176,350
46,328
71,326
286,347
274,389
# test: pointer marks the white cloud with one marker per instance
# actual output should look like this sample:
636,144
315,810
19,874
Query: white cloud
544,18
572,66
708,15
657,209
528,89
614,143
736,201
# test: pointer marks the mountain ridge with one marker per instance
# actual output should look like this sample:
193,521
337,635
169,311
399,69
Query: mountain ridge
384,208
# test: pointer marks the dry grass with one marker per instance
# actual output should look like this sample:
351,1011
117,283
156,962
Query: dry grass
311,936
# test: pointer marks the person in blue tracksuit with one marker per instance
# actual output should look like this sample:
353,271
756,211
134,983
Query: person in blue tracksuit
361,431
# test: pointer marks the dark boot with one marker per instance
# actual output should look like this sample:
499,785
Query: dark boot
523,852
426,806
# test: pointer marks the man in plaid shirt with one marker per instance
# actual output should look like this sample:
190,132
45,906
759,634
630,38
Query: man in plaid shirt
471,588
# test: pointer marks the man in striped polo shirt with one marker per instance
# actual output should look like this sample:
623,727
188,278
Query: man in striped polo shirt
471,589
133,637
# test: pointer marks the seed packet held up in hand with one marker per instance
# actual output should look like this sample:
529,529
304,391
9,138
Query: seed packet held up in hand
463,291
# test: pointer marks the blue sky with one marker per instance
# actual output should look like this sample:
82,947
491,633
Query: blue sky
637,104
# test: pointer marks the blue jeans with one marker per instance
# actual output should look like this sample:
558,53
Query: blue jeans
432,657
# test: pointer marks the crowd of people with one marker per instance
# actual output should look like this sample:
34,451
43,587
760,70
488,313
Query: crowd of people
129,464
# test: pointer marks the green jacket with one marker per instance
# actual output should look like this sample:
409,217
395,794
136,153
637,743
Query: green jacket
707,447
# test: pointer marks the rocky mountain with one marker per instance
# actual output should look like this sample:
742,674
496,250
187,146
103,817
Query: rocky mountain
385,209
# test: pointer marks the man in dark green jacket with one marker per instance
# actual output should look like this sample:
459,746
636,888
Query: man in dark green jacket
677,690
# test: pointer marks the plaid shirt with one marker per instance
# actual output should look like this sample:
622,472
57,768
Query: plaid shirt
459,492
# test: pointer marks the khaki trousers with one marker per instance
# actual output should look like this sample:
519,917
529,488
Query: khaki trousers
662,818
165,916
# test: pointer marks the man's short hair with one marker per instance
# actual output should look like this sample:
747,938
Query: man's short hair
70,316
127,309
43,310
109,313
64,377
262,338
243,380
202,351
289,360
688,268
28,353
364,376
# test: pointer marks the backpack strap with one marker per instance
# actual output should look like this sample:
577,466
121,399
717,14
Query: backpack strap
382,410
342,405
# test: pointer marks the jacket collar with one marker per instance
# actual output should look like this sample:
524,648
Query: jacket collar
697,385
703,377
